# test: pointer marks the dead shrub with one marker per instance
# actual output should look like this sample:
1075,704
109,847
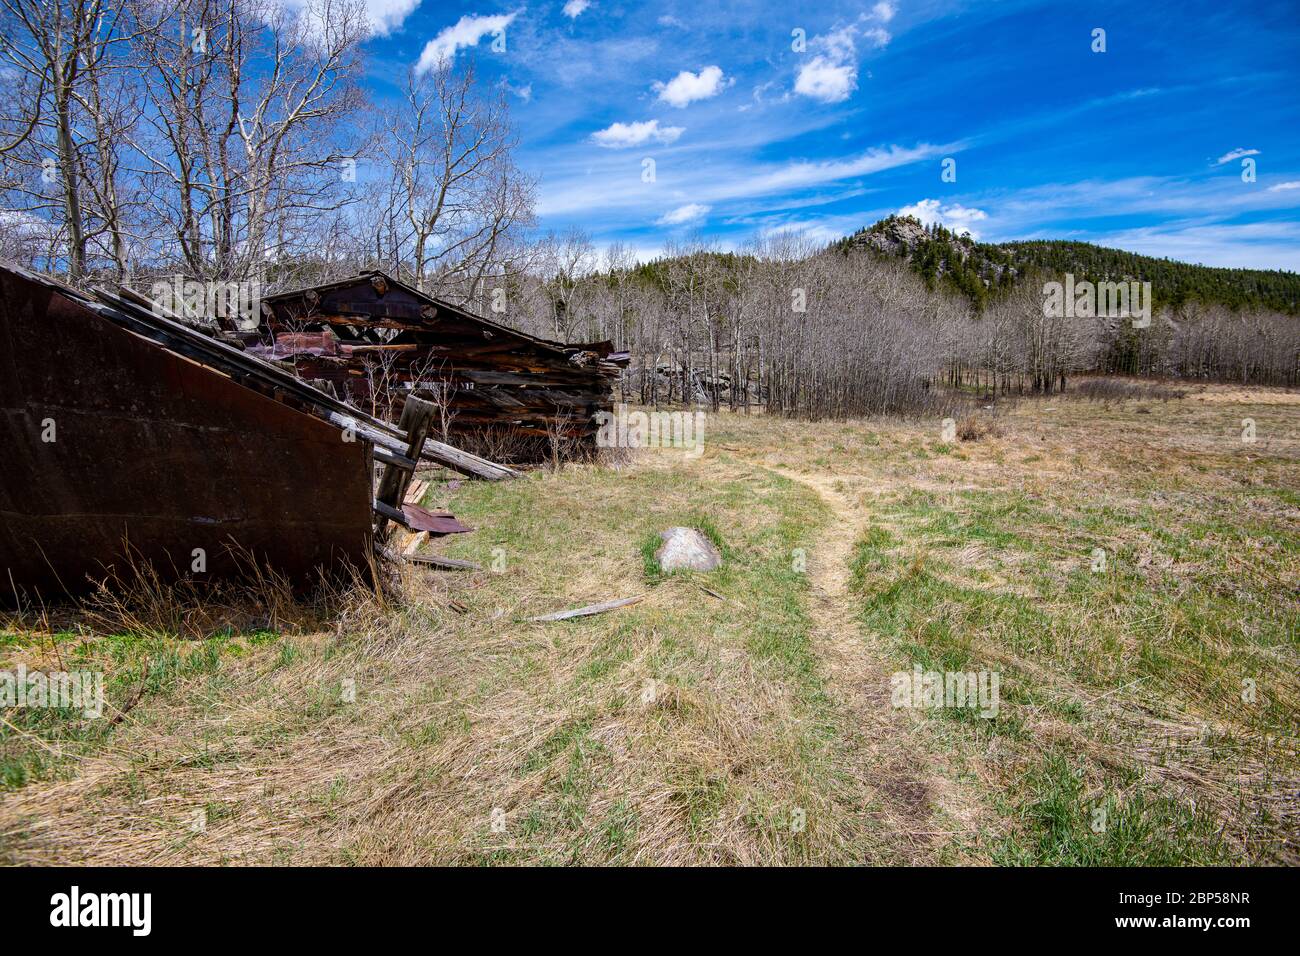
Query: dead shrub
976,427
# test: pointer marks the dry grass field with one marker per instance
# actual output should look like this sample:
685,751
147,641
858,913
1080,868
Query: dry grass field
1125,562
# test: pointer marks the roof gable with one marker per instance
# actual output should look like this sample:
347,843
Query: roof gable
377,294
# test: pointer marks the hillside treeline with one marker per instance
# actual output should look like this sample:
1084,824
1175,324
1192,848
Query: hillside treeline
837,332
982,271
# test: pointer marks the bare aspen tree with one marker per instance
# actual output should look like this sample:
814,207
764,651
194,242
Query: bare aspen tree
246,147
565,263
62,131
456,197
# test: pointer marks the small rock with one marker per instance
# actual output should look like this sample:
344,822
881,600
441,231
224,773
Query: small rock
687,548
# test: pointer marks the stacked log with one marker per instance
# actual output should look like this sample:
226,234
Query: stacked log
374,340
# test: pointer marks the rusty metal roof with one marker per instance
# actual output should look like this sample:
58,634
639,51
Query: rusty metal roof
441,305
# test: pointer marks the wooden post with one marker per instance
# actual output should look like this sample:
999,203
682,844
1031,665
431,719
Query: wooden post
417,418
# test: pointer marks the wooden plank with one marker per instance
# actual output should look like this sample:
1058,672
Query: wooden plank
416,491
388,511
438,561
465,463
462,462
393,460
511,378
589,610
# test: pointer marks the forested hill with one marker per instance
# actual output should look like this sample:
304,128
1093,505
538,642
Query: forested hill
980,270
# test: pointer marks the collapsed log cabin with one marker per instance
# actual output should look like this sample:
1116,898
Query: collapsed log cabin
374,340
129,437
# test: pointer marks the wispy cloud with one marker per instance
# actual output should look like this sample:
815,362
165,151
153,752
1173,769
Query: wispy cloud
466,32
1280,187
1235,154
623,135
803,174
1049,207
618,185
1259,245
575,8
687,87
691,212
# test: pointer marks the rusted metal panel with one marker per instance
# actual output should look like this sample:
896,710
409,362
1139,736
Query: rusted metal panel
112,439
288,344
434,522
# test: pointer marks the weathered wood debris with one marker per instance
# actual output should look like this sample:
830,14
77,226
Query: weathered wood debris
374,341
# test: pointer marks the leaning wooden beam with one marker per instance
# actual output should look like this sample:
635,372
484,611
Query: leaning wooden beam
414,542
589,609
461,462
465,463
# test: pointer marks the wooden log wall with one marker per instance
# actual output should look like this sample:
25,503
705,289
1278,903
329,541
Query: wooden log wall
386,341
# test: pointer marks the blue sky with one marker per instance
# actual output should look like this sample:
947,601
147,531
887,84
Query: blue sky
1139,147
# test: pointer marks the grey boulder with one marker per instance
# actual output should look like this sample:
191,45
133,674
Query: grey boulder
689,549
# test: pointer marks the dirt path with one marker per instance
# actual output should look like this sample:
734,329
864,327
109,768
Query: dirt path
883,752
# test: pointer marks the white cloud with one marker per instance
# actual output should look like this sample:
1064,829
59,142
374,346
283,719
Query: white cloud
691,212
467,31
812,230
575,8
1293,184
823,79
1235,154
623,135
831,75
956,217
838,44
668,20
803,174
384,15
687,87
884,12
387,15
878,36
